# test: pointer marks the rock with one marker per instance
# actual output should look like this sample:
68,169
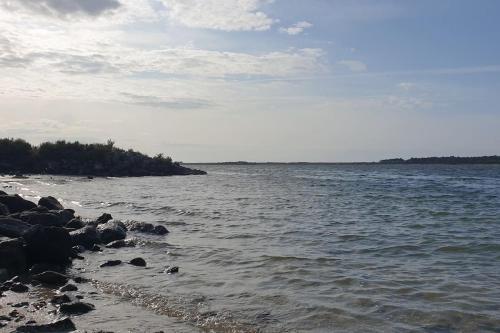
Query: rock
60,299
78,249
147,228
62,325
16,204
172,270
4,210
39,209
68,287
76,308
21,305
138,262
43,219
111,263
75,223
65,215
121,243
2,192
96,248
86,236
13,228
51,278
48,245
43,267
79,279
111,231
104,218
50,203
13,256
19,288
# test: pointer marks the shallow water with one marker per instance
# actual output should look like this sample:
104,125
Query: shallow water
303,248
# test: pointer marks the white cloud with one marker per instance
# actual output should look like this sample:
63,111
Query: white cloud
353,65
406,86
228,15
297,28
63,8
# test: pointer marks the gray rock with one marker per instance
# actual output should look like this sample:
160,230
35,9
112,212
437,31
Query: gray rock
48,245
13,256
111,263
50,203
75,223
111,231
43,219
76,308
16,204
51,278
62,325
138,262
13,228
86,236
60,299
68,287
147,228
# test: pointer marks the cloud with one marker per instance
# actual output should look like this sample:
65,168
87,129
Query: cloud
406,86
166,103
353,65
297,28
227,15
63,8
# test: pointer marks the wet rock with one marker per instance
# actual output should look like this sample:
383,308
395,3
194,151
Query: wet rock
51,278
138,262
96,248
5,318
43,267
62,325
68,287
19,288
13,228
86,236
111,263
104,218
111,231
147,228
4,210
43,219
60,299
121,243
48,245
16,204
65,215
79,279
75,223
78,249
12,256
76,308
50,203
172,270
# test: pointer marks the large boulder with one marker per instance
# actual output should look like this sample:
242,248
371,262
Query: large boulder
4,210
111,231
16,204
43,219
48,245
12,256
61,325
13,228
50,203
86,236
51,278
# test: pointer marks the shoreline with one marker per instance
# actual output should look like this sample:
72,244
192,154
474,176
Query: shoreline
39,289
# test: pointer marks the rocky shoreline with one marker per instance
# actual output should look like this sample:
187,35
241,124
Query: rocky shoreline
38,244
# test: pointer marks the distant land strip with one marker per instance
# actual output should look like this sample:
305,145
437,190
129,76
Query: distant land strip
494,159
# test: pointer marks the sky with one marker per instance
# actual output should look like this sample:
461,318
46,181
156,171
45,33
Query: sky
255,80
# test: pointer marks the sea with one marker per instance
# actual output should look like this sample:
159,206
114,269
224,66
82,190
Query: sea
295,248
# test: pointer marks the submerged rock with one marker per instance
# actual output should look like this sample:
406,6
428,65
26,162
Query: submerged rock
16,204
147,228
138,262
51,278
111,231
50,203
62,325
13,228
172,270
76,308
111,263
48,245
121,243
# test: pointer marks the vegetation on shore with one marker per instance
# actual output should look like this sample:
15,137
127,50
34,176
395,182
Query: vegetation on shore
74,158
444,160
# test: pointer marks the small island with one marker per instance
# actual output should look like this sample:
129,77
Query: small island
77,159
